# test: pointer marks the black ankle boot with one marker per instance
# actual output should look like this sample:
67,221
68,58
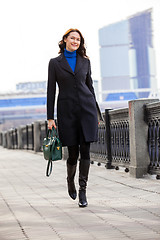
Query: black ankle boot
83,178
82,198
71,170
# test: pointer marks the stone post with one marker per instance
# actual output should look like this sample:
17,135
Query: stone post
1,138
37,136
138,135
20,140
4,139
9,140
108,139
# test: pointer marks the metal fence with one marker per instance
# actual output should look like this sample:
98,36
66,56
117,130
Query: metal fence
27,133
99,148
13,138
1,139
43,132
113,145
152,117
119,129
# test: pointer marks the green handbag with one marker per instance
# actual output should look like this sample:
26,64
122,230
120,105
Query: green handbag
52,149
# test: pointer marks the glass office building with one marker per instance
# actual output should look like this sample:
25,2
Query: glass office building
127,58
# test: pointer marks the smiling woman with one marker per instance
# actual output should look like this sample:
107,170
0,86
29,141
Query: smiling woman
74,37
72,41
76,107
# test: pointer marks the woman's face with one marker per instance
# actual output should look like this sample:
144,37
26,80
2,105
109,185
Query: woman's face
72,41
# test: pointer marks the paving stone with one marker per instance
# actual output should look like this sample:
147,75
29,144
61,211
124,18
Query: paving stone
35,207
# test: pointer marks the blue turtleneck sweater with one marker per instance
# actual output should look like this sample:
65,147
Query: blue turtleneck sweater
71,58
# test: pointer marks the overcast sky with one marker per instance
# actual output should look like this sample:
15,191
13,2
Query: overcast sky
31,29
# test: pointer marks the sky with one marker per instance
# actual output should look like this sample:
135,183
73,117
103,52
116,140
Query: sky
31,29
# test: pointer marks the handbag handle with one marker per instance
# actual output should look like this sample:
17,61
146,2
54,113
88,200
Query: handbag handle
49,165
55,132
52,132
49,168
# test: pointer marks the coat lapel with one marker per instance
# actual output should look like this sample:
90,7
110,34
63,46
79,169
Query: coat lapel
79,63
65,65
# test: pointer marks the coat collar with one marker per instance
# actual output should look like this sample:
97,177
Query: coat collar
65,65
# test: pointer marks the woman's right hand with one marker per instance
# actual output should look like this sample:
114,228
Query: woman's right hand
51,123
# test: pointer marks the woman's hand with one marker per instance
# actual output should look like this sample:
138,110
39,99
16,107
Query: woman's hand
51,123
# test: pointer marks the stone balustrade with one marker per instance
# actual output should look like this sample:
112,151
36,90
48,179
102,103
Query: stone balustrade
129,138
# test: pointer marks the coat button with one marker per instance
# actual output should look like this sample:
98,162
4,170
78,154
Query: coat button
75,86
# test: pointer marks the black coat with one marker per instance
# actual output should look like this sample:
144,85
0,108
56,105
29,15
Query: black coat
76,104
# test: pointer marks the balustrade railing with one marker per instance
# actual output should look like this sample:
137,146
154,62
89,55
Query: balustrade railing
24,137
119,138
1,139
43,132
99,148
119,129
30,136
4,140
112,147
14,138
27,135
152,117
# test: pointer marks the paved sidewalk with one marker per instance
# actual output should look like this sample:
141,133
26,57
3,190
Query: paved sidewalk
35,207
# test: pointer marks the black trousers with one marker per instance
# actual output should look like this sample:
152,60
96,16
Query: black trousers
73,152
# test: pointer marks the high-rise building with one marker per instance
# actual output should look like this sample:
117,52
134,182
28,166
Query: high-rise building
127,58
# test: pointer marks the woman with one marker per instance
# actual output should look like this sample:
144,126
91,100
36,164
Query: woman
76,107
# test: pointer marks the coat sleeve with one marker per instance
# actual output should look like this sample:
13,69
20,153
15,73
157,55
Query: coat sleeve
51,90
89,81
